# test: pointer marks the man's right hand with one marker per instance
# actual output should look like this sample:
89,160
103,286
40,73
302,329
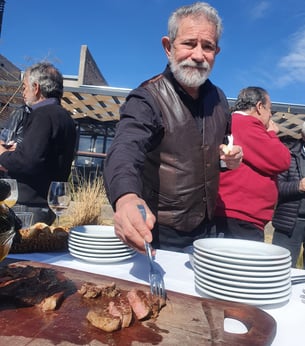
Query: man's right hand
129,224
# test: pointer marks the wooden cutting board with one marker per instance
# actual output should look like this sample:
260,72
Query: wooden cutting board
186,320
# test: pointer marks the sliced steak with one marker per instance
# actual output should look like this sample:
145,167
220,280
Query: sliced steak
102,319
157,303
111,308
121,308
140,303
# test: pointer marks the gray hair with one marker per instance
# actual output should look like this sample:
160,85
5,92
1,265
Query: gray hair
48,77
249,97
198,9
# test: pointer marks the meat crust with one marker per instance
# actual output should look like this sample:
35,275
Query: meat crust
91,290
33,286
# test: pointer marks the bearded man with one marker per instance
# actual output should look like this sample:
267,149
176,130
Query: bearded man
168,144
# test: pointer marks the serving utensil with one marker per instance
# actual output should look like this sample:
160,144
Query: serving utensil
157,286
6,240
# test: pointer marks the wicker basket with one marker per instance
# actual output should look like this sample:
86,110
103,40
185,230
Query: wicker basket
41,238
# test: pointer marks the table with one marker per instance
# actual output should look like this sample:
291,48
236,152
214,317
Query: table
179,277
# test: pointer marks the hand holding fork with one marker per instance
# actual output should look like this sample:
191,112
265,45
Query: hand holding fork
157,286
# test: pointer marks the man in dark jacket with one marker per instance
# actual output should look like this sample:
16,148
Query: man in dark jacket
168,144
289,216
47,150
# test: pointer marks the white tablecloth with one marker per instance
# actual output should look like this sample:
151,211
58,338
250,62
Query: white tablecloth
179,277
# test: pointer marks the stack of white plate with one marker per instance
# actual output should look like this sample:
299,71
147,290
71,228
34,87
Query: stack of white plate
243,271
98,244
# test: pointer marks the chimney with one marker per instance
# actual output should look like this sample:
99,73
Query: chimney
2,3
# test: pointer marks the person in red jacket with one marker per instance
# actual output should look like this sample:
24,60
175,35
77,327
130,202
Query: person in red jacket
248,194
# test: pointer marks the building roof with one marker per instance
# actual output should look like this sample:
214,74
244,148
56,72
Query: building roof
100,103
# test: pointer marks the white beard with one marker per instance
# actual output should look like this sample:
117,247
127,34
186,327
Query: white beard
31,100
189,73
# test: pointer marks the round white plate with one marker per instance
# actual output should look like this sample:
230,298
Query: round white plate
257,302
100,251
238,283
94,231
240,272
257,291
243,261
87,240
97,244
202,270
103,260
240,295
233,266
241,248
99,255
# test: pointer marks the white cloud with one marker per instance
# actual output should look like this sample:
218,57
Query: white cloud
293,64
259,11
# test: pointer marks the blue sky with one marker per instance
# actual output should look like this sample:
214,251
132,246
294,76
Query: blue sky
263,41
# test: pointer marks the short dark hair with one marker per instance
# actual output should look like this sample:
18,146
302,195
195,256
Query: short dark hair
249,97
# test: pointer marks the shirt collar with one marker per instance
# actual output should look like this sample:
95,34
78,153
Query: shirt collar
48,101
241,112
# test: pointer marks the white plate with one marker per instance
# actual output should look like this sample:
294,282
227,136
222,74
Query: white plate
100,251
236,282
232,288
89,240
254,301
202,270
240,272
240,295
241,248
98,244
233,266
100,255
94,231
243,261
103,260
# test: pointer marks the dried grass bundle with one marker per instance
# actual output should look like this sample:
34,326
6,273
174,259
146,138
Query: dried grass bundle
88,200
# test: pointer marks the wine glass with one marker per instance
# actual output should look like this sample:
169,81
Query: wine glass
13,197
6,240
59,197
6,135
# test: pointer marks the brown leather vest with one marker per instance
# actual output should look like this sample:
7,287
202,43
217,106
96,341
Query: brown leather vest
181,175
